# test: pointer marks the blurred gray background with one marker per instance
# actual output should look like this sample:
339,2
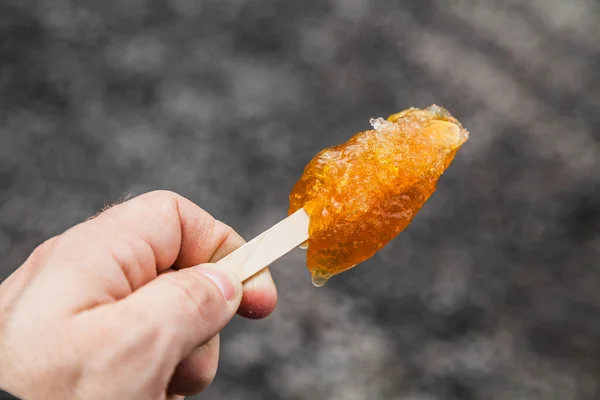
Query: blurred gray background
492,293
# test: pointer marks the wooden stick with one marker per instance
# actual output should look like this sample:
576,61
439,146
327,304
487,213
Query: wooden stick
267,247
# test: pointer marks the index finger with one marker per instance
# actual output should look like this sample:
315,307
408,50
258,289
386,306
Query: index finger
129,244
260,294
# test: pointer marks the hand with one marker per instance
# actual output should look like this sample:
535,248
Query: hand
108,310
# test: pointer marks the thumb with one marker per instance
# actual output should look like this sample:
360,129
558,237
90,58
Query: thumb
189,306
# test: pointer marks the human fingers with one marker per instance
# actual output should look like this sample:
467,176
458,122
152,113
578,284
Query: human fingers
175,313
260,294
16,282
197,371
107,258
259,298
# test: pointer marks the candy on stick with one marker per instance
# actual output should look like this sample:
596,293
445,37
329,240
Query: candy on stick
355,197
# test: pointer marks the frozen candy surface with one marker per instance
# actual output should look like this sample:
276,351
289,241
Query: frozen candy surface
361,194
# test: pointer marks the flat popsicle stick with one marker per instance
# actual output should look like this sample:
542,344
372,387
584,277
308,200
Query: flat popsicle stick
267,247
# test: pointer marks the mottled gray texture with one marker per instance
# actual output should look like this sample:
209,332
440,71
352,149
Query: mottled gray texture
492,293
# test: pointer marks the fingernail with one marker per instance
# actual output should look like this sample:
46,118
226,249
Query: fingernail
224,280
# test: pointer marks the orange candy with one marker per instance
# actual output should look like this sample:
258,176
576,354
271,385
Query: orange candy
361,194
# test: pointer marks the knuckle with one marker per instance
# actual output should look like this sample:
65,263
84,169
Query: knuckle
162,197
41,251
231,235
163,204
47,244
134,255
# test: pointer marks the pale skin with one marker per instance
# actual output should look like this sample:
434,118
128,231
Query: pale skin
127,305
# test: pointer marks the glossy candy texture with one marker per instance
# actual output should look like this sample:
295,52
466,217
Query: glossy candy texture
361,194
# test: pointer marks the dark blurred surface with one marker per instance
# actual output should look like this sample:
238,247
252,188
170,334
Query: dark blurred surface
492,293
